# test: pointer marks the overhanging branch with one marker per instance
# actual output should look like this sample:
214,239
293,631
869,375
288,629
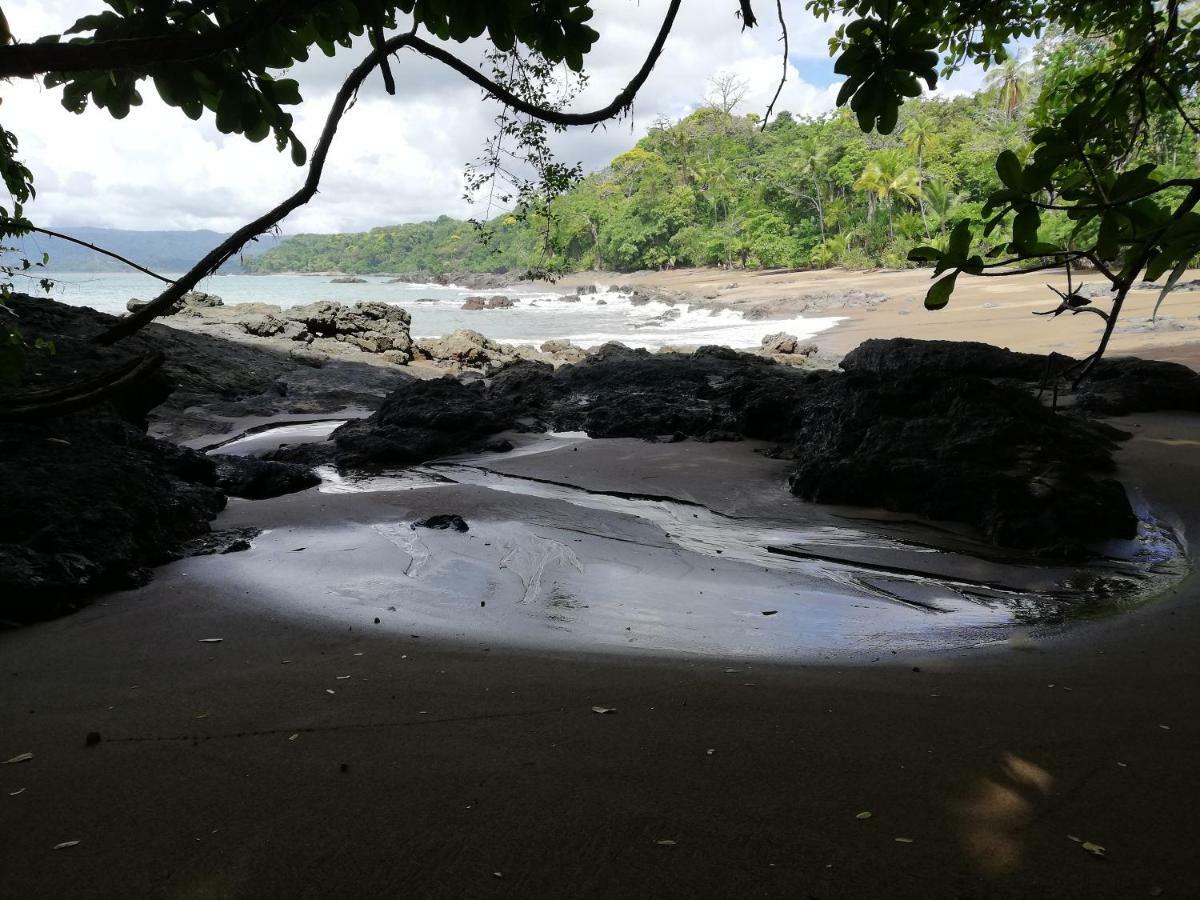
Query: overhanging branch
231,245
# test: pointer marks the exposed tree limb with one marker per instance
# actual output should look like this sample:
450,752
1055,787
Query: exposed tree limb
231,245
109,253
45,404
783,77
385,69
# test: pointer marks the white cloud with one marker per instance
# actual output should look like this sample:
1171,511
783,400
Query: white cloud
395,158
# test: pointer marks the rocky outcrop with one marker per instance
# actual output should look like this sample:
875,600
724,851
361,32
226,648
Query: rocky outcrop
498,301
906,356
962,449
466,349
472,281
258,479
372,326
90,502
347,279
892,431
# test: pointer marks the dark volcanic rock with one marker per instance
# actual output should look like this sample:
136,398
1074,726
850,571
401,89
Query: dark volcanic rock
962,449
444,522
89,502
428,419
347,279
258,479
227,540
905,356
1124,385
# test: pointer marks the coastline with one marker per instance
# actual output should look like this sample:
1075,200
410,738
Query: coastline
992,310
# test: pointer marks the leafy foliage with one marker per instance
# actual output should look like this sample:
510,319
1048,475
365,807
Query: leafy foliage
1119,81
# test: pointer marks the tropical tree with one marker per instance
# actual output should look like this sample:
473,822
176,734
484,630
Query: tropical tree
888,177
1009,83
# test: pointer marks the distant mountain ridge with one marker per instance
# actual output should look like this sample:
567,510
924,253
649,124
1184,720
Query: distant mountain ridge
162,251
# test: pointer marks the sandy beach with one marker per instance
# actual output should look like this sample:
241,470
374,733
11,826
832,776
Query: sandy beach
993,310
356,707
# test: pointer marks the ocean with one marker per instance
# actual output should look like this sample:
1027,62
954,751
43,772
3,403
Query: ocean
539,315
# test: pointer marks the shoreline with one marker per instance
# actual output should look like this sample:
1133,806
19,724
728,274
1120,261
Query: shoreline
995,310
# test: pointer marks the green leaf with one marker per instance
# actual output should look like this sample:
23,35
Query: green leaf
1008,167
939,294
924,254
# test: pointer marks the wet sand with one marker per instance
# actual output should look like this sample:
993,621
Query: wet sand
256,767
994,310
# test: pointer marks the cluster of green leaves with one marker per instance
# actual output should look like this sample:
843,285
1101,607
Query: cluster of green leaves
242,87
889,46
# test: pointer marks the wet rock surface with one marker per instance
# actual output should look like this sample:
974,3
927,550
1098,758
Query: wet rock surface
258,479
444,522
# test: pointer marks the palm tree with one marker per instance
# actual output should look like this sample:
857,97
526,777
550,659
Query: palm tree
1010,82
810,165
941,200
920,134
888,176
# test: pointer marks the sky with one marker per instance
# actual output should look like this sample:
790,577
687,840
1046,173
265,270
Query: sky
395,159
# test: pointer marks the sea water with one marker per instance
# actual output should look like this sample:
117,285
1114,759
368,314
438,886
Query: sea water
540,312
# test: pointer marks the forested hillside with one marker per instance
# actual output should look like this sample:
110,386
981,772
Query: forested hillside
446,245
717,189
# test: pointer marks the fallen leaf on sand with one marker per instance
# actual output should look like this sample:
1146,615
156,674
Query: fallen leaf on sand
665,843
710,751
1165,727
498,875
904,840
341,677
293,737
65,844
603,710
770,612
24,757
1094,849
1071,837
328,691
211,640
17,792
863,815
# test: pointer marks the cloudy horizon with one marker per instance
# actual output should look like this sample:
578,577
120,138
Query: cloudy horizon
396,159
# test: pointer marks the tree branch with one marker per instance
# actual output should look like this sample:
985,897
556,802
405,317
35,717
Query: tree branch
80,395
231,245
783,77
109,253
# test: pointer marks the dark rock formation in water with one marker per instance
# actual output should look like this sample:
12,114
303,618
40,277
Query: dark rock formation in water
444,522
950,431
258,479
